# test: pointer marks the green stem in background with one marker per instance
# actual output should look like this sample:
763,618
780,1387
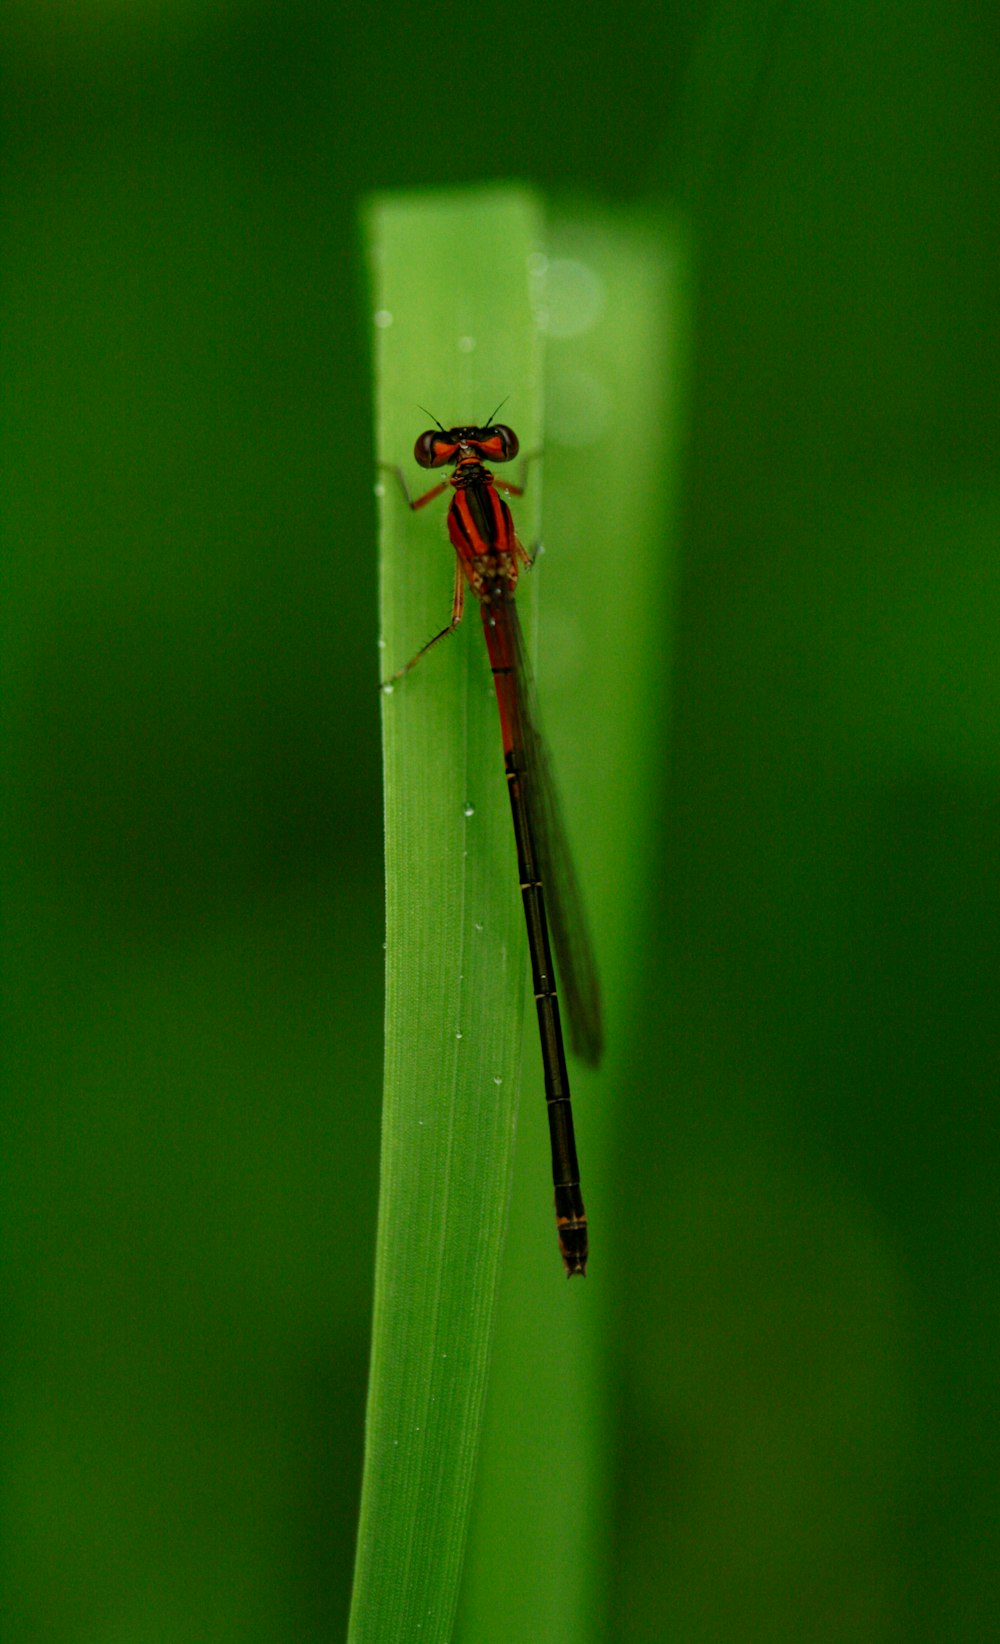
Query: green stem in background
542,1541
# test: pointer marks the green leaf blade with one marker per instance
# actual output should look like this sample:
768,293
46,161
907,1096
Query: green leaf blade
456,330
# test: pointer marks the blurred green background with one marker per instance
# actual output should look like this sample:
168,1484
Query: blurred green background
805,1354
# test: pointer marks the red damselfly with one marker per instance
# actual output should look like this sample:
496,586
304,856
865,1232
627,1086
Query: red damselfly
490,557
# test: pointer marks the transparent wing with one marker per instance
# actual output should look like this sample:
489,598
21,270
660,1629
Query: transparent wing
574,953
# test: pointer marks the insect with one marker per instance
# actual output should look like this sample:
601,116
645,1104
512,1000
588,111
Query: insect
490,557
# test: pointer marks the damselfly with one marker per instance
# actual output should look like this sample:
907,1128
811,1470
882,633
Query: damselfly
489,559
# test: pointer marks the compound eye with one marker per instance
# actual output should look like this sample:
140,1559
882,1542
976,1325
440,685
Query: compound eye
433,450
508,441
